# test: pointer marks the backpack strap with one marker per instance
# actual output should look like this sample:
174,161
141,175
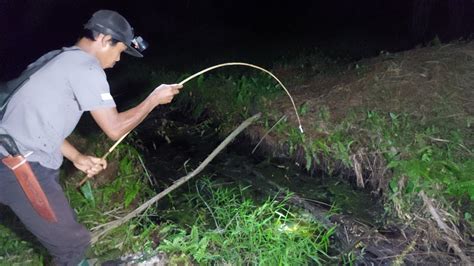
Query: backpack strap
8,89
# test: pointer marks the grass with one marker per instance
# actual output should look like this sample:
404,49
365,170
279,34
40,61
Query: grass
396,154
99,205
18,248
430,157
399,154
95,206
231,228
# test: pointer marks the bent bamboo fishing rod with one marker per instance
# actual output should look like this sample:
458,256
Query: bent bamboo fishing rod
300,127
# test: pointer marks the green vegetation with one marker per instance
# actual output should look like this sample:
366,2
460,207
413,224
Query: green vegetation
95,206
122,193
385,142
221,224
18,248
397,139
231,228
414,156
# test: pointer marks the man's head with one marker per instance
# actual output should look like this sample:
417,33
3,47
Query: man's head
111,34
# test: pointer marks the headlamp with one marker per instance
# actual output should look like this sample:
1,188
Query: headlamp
139,43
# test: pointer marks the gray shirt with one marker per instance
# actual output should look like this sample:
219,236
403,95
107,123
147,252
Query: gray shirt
47,108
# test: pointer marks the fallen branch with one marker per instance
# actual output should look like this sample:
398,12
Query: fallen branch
114,224
448,232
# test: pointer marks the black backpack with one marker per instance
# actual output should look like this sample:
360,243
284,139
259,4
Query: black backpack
7,89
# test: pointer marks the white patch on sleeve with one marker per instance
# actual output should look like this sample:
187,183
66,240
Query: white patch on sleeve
106,96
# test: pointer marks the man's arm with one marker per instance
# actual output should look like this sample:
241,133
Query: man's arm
115,124
87,164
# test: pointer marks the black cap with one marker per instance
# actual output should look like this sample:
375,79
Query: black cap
112,23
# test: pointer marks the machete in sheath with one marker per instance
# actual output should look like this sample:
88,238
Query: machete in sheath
26,178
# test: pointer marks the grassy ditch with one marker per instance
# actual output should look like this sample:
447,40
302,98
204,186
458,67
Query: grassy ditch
434,155
383,125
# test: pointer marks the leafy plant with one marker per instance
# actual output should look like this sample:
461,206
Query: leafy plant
233,229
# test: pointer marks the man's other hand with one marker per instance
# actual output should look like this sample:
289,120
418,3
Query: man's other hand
89,164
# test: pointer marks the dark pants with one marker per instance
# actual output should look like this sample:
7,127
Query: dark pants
66,240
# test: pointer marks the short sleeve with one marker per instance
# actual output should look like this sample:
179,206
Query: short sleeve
90,87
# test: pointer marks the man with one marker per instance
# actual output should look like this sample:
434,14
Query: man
46,109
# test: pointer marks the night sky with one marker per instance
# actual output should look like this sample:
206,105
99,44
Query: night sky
182,32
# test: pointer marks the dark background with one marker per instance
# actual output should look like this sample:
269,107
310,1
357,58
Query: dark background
185,32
